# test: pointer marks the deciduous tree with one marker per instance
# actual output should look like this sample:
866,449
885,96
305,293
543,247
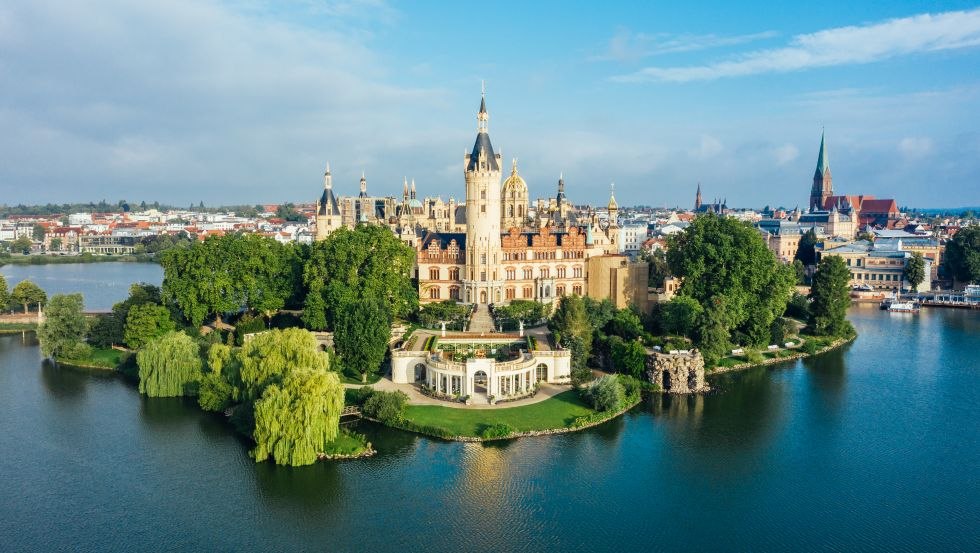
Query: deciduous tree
361,337
169,366
830,297
915,271
963,255
63,330
27,294
146,322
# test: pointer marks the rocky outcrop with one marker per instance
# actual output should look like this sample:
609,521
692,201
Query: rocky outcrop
678,372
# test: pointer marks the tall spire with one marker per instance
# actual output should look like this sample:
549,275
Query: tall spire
327,178
413,189
483,117
823,185
613,206
405,188
823,161
697,198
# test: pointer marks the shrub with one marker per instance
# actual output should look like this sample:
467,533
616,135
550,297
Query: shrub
754,357
497,430
247,325
605,394
810,346
357,396
387,407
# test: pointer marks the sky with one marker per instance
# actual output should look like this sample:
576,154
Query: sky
244,102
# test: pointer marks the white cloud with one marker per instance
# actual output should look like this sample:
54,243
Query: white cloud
785,153
915,147
709,147
626,45
837,46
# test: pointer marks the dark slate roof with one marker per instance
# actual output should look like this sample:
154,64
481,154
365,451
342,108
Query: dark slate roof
461,214
444,238
482,144
328,203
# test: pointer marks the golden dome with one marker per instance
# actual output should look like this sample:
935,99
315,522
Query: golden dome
514,183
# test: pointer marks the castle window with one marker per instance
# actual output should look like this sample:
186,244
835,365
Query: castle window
454,292
511,274
510,293
434,273
483,259
454,274
577,272
545,273
561,272
528,292
483,194
577,290
434,293
483,276
528,273
560,290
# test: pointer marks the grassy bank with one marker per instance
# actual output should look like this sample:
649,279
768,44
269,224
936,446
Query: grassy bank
100,358
68,259
558,412
812,345
9,328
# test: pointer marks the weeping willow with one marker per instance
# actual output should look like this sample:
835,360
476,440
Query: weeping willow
269,357
169,366
294,420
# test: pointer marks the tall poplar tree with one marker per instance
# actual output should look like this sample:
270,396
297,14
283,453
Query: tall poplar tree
830,297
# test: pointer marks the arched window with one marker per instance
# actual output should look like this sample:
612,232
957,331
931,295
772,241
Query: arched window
545,272
454,273
434,273
510,293
510,211
577,290
454,293
528,292
561,272
560,290
434,293
528,273
577,272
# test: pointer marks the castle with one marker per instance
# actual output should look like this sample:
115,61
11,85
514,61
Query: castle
497,246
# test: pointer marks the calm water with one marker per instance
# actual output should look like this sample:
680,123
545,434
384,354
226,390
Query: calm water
870,448
102,284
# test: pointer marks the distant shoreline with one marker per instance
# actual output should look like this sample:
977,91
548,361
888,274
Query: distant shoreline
72,259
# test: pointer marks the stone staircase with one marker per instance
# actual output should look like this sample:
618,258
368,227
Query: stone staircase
481,320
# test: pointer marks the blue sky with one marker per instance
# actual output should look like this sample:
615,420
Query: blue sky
244,102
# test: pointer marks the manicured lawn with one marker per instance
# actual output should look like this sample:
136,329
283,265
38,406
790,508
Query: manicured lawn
557,412
101,357
347,379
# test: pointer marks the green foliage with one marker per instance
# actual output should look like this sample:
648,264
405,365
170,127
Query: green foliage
270,357
598,312
387,407
350,266
104,331
659,270
800,271
625,323
247,325
4,294
781,330
721,257
64,327
361,336
798,307
214,393
963,255
223,274
711,334
496,431
754,356
22,244
830,298
573,332
454,314
109,329
146,322
28,294
806,253
628,356
915,271
605,394
297,418
681,314
528,311
357,396
169,366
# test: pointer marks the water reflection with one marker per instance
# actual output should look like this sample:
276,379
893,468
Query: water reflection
167,411
61,382
316,488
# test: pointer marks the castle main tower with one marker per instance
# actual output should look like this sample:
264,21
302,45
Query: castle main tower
823,184
483,279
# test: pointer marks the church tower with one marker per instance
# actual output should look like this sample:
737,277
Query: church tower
327,210
823,186
483,279
697,199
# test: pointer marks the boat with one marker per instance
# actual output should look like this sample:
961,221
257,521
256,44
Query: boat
904,306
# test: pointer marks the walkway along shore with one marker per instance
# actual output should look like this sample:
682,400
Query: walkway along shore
799,355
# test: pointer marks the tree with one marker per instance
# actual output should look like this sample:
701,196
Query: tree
367,263
215,392
830,297
628,356
22,244
169,366
296,419
38,232
721,256
361,336
27,293
146,322
625,324
56,244
63,332
711,331
4,294
269,357
681,314
800,271
659,270
387,407
915,271
572,330
963,255
606,394
806,253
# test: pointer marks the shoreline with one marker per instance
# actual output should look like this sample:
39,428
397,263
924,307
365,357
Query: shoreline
515,435
840,342
82,259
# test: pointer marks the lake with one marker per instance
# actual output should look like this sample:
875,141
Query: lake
872,447
102,283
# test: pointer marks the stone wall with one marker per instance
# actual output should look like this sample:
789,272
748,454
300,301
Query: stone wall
677,373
